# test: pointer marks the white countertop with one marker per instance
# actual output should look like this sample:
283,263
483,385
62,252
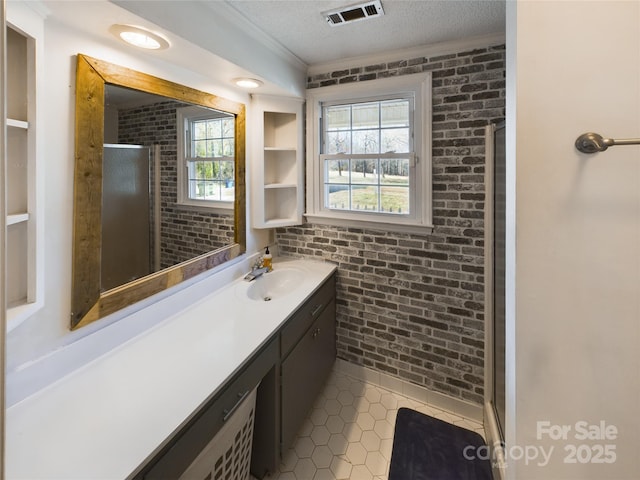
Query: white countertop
109,417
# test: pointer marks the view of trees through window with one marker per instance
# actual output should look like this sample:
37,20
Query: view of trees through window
211,162
367,156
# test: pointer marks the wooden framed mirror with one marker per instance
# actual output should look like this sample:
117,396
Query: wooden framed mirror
90,301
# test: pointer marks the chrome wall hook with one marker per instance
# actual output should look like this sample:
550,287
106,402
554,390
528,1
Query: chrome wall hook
592,142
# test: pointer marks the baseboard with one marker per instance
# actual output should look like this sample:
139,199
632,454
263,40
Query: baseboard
416,392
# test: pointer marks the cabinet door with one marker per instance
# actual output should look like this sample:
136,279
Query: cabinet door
304,372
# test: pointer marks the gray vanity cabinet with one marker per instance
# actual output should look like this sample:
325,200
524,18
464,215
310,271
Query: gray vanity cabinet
308,345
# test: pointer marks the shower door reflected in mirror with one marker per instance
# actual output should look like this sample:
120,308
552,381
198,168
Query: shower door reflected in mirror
126,220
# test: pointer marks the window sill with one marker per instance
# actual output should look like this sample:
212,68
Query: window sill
403,227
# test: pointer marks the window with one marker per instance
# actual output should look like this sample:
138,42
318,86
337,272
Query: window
206,156
369,162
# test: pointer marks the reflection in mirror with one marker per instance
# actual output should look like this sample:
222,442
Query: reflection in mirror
191,204
154,214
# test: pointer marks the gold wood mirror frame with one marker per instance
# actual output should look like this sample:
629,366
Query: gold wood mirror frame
88,303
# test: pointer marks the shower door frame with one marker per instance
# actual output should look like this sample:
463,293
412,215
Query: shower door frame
493,431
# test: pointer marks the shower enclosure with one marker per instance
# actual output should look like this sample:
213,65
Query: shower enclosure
495,214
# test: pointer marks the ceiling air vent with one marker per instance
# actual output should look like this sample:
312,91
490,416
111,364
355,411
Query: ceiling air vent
353,13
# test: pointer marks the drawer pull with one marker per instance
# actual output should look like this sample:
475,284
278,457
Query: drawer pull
316,309
316,332
228,413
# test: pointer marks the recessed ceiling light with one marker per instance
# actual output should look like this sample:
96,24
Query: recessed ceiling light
247,82
140,37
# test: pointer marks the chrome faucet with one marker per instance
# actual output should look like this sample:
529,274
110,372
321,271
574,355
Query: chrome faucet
256,271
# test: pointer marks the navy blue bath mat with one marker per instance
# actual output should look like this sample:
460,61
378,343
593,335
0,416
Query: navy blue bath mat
425,448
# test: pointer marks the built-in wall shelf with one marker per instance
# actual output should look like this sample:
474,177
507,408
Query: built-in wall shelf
280,185
17,123
17,218
278,163
23,179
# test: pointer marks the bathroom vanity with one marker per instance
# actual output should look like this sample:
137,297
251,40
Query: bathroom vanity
290,369
147,408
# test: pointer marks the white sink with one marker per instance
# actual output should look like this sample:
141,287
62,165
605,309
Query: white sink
275,284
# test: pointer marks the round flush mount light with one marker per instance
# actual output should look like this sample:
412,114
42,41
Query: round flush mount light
140,37
247,82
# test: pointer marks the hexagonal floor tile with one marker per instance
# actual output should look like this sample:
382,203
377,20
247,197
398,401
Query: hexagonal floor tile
349,432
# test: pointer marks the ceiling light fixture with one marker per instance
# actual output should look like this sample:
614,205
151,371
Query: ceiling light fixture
247,82
140,37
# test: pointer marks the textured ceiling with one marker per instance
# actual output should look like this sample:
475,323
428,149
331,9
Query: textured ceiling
299,26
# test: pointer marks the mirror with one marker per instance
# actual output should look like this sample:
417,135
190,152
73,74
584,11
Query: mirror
96,290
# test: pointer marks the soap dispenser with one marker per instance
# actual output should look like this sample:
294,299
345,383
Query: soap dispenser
267,259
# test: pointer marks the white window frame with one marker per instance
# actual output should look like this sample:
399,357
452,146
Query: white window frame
420,218
184,117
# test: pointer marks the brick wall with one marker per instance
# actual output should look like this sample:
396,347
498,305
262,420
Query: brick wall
412,305
185,232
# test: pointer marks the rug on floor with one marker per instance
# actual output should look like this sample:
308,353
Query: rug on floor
425,448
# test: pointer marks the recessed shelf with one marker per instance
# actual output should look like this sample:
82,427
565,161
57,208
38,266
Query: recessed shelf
278,222
280,185
17,123
17,218
23,192
279,179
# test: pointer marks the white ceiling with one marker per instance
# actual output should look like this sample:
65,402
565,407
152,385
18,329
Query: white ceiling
280,41
299,26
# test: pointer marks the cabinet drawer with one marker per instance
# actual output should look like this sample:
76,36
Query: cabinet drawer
303,318
305,371
189,442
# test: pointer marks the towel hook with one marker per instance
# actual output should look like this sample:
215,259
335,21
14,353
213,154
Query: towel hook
592,142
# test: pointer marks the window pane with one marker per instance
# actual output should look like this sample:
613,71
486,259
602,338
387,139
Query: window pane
364,198
200,148
336,171
365,141
394,113
228,147
214,129
227,127
394,171
395,200
338,142
226,170
337,197
215,148
199,130
198,189
338,117
395,140
366,115
364,171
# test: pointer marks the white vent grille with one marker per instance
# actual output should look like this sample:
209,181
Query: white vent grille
354,13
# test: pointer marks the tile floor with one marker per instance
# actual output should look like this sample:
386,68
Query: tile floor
349,432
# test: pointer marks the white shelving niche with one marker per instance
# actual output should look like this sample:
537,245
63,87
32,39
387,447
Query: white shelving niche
22,185
278,168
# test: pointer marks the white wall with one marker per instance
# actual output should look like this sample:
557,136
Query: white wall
575,67
48,329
